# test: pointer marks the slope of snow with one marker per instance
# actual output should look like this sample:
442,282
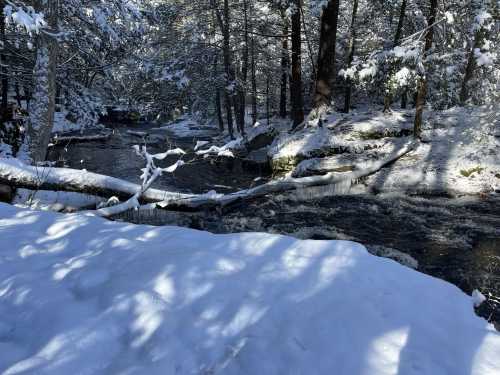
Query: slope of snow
81,295
459,154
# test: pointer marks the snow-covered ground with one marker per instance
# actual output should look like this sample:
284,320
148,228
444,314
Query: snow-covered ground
81,295
460,152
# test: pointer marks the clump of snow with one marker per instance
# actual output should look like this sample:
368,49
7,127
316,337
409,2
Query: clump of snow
200,144
226,150
477,298
79,293
24,18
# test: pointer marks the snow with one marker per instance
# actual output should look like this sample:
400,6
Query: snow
16,170
62,125
226,150
200,144
459,154
478,298
25,18
79,294
55,200
5,150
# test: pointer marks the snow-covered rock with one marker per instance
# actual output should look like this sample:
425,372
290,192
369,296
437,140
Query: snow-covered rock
79,294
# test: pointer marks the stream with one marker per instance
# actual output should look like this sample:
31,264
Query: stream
457,240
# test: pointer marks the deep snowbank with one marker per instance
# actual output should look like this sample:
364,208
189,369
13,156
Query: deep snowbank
81,295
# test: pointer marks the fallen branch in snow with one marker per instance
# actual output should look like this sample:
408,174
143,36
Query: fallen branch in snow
81,138
285,184
149,174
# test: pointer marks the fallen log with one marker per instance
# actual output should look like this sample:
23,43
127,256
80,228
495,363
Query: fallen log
15,173
81,138
286,184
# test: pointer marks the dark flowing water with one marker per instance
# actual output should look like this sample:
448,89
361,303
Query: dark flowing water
454,239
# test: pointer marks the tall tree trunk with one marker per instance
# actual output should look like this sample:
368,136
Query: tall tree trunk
254,82
284,65
218,105
244,73
43,107
267,100
422,82
4,72
325,75
397,38
471,65
296,98
352,47
228,69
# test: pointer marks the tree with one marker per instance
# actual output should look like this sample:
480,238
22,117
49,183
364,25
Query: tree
42,115
296,96
351,49
284,65
422,82
325,74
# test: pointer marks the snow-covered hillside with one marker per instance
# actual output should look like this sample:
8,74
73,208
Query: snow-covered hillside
81,295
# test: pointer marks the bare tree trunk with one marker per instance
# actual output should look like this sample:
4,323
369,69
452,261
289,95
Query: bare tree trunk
244,73
284,66
352,47
3,71
267,100
43,108
308,42
326,57
471,66
218,105
296,97
397,38
254,83
422,82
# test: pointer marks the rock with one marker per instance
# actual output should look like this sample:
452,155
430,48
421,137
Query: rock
261,140
6,193
336,163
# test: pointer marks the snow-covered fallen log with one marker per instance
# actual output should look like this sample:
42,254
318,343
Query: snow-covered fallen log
287,184
15,173
81,138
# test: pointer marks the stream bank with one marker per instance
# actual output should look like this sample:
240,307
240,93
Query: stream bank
456,239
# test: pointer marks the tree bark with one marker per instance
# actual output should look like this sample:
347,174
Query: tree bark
244,73
325,75
284,66
4,72
397,38
422,82
352,47
254,83
43,107
296,98
471,66
218,104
